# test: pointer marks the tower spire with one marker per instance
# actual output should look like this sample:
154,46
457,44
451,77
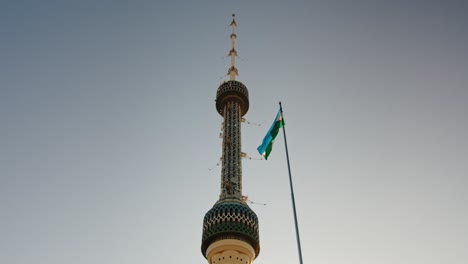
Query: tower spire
232,72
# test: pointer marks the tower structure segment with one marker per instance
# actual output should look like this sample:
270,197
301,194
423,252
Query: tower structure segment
230,228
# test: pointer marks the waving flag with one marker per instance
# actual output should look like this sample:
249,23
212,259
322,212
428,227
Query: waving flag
267,144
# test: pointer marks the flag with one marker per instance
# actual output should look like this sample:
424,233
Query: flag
267,143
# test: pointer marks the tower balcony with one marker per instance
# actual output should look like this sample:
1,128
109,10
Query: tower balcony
230,220
232,91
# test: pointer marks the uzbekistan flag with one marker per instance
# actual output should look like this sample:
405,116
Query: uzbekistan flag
267,144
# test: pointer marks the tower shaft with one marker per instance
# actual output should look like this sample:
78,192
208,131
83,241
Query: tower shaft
231,170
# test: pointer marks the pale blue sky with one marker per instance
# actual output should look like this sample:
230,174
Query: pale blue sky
108,128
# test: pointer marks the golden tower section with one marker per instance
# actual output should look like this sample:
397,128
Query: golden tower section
230,251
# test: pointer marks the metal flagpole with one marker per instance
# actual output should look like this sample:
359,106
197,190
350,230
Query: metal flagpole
292,190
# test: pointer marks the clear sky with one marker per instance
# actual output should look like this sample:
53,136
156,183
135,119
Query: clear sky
109,128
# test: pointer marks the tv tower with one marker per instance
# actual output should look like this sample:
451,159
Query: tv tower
230,228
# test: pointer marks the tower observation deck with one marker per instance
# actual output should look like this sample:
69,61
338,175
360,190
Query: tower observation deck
230,228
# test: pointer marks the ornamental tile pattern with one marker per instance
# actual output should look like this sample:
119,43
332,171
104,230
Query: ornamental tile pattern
230,220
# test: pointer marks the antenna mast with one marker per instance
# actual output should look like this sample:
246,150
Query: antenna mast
232,72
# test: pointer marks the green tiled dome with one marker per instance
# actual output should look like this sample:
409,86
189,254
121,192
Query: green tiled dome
230,220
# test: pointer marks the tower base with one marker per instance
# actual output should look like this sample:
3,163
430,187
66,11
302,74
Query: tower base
230,251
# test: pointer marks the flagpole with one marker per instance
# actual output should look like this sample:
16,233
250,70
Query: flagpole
292,190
